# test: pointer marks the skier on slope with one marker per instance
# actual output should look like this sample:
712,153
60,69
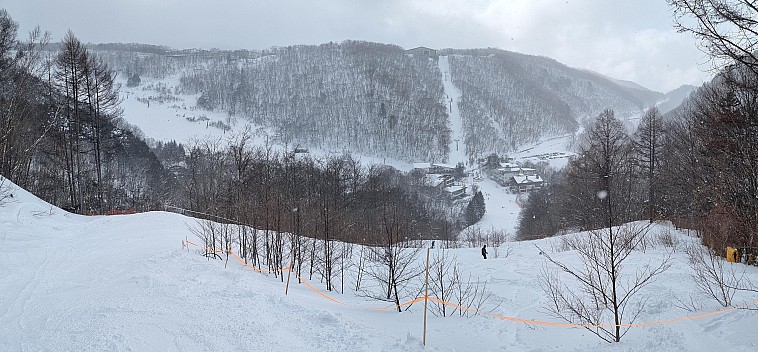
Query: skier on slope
484,251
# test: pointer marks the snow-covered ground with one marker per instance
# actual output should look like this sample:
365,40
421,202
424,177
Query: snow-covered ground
124,283
452,97
177,120
553,150
183,122
171,121
503,207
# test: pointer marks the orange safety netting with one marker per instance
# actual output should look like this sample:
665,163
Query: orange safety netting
467,309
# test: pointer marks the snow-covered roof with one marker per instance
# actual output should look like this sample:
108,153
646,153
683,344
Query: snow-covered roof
433,180
525,179
454,189
446,166
520,170
422,165
507,165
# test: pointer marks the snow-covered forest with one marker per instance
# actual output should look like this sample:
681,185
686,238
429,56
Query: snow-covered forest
516,198
510,99
366,97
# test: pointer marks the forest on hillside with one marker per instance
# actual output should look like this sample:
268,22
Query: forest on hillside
367,98
512,99
696,166
62,135
354,95
64,139
377,99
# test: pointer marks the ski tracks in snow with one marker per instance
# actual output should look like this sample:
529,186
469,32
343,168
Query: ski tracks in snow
121,283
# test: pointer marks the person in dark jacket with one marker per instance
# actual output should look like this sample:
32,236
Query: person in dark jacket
484,251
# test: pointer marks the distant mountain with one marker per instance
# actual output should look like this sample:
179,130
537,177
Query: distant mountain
381,100
511,98
674,98
633,88
629,84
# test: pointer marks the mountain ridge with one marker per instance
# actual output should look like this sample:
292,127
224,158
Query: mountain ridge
366,97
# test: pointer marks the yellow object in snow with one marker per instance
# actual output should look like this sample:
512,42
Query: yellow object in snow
732,255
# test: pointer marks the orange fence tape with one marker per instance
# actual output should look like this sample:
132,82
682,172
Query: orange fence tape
304,281
475,311
264,271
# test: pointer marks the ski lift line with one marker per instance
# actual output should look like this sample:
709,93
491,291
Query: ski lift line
472,310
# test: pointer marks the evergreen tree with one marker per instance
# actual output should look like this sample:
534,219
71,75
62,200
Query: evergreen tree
475,209
539,218
133,80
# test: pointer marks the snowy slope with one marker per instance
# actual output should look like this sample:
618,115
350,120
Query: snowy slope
177,120
124,283
453,96
554,150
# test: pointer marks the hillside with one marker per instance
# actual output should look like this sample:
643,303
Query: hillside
674,98
377,99
511,99
122,283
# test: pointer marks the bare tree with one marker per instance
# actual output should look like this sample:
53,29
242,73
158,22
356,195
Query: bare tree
21,63
715,278
602,178
393,264
103,100
442,282
71,62
602,301
469,294
648,145
727,29
604,169
210,233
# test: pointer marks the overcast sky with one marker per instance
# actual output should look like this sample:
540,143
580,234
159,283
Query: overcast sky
624,39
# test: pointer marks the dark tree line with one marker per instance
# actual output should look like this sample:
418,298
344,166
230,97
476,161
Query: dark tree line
366,97
696,166
339,198
308,208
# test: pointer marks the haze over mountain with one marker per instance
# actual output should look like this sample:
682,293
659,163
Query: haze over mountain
381,100
631,40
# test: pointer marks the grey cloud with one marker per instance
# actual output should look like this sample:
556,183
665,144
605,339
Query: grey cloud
623,39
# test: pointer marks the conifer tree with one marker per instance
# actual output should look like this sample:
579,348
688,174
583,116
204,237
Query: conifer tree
475,209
